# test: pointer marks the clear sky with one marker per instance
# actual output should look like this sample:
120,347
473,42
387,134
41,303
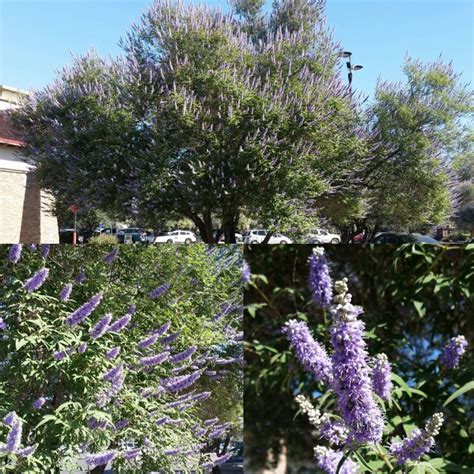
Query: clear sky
39,36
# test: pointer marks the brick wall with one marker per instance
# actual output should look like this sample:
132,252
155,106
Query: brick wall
25,210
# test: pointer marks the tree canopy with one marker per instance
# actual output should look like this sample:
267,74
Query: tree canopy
213,117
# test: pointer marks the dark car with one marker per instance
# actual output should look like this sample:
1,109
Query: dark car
399,239
131,235
66,236
235,464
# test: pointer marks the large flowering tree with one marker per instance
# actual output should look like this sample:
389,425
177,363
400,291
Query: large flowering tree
203,119
382,392
112,356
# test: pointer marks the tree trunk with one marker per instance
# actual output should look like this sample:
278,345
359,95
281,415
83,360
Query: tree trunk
229,222
267,237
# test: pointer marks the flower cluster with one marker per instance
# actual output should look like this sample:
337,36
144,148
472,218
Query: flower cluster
14,254
354,378
37,280
160,291
84,311
111,256
453,352
328,459
320,283
65,292
419,442
382,376
13,441
310,353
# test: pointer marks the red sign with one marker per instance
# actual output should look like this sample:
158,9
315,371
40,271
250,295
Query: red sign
74,208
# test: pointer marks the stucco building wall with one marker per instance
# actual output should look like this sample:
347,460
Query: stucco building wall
25,210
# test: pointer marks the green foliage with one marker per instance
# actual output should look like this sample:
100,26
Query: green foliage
103,239
409,182
199,284
414,297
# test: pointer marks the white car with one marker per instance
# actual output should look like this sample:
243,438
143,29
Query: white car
257,236
176,237
320,236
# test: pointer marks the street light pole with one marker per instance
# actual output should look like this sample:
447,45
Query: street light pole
350,67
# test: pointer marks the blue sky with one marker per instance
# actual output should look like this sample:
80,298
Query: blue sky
38,36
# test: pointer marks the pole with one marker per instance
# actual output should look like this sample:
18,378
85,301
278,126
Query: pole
74,235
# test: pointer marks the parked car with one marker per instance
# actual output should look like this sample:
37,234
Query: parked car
398,239
257,236
107,231
150,237
235,464
321,236
66,236
131,235
177,237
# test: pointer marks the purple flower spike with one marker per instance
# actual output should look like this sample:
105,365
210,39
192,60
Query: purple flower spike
320,283
101,458
80,278
82,347
310,353
101,327
453,352
44,250
111,257
328,460
169,339
84,311
37,280
65,292
28,451
172,452
10,418
60,355
132,453
154,360
3,324
176,384
246,274
14,436
121,424
37,404
419,442
183,355
120,323
113,353
162,421
162,329
351,372
149,341
160,291
14,254
382,376
114,373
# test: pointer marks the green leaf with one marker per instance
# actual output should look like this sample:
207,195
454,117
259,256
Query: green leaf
465,388
420,308
19,343
45,420
396,378
252,309
408,428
